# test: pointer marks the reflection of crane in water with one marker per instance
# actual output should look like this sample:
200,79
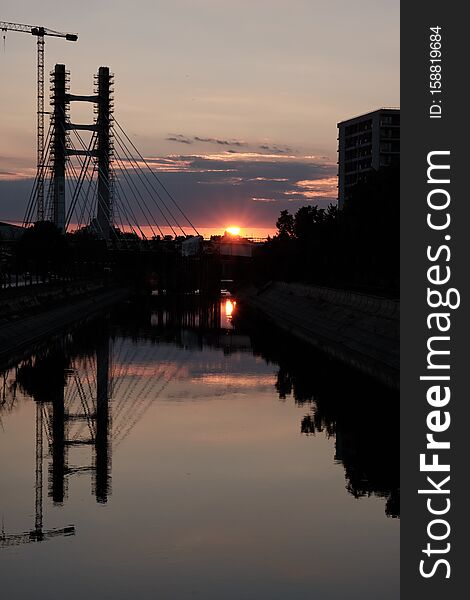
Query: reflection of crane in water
38,534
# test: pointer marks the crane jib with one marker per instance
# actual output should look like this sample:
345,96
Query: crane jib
41,31
37,30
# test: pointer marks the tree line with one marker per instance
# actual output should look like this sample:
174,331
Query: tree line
356,247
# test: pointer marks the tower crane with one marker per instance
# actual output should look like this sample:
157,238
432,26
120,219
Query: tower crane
40,33
38,534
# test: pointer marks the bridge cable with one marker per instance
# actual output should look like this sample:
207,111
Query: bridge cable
156,177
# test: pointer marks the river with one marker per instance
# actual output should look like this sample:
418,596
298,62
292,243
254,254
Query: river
182,450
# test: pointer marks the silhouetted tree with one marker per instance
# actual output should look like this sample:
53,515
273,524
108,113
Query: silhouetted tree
43,248
306,220
285,225
356,248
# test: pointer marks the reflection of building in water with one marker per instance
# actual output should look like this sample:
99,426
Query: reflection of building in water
196,316
200,324
201,315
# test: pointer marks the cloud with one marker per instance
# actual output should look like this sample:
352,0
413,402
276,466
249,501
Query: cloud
219,141
230,142
247,156
242,187
269,179
315,188
184,139
14,168
276,149
222,180
170,164
256,189
178,138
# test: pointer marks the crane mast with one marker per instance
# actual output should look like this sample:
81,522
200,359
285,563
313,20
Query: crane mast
40,130
40,32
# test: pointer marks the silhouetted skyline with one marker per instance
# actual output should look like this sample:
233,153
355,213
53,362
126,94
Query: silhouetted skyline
236,105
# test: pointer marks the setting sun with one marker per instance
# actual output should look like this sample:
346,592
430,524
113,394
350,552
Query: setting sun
233,230
229,308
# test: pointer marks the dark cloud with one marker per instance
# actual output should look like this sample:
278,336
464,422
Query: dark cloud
253,192
215,190
276,149
178,138
220,142
270,148
184,139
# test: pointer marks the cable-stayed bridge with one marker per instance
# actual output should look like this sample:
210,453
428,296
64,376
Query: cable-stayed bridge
93,177
90,390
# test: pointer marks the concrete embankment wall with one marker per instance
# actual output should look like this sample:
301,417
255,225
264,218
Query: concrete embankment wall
360,330
29,300
34,316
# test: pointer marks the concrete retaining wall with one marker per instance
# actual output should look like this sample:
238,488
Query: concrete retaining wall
15,302
360,330
20,334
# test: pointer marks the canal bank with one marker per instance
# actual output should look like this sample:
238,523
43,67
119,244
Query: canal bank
249,444
357,329
29,317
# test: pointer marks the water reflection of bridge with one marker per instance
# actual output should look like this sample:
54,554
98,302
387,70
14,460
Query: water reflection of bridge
90,393
193,325
73,384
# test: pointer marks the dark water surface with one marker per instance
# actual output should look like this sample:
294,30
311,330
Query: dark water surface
189,454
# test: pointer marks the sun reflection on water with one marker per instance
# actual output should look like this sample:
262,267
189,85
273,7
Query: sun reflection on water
227,310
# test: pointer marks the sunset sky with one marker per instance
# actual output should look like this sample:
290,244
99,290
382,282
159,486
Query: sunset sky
235,103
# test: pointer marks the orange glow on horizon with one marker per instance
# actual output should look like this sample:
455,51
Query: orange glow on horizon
233,230
255,231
